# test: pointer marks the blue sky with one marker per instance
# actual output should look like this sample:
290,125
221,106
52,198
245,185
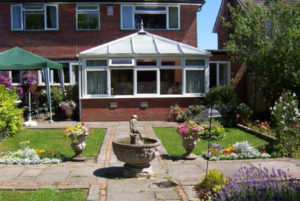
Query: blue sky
206,20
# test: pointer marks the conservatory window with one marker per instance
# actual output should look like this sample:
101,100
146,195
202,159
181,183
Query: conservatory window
146,82
170,81
171,62
96,82
96,63
195,81
121,82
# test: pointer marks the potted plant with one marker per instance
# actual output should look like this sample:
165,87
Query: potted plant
190,132
175,111
68,107
78,135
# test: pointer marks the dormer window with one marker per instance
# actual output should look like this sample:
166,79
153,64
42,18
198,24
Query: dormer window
153,17
34,17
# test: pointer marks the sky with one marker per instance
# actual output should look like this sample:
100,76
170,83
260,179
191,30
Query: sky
205,23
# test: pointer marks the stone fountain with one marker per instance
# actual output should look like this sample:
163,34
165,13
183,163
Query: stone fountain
136,151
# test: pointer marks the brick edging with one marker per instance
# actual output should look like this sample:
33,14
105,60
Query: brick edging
257,133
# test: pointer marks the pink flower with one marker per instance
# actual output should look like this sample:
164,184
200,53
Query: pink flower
196,128
183,131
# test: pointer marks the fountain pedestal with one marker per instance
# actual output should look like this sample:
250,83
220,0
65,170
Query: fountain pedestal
137,157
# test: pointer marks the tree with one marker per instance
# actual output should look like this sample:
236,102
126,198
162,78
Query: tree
267,39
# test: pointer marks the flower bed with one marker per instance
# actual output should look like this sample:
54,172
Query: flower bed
240,150
258,184
28,156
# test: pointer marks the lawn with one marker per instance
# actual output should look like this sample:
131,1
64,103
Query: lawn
54,140
44,195
172,141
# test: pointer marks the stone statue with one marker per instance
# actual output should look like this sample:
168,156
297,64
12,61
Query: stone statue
135,135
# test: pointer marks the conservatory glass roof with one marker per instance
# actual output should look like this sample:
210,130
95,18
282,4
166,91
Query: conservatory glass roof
143,43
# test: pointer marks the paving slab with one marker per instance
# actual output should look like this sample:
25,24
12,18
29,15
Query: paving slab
228,168
34,172
9,174
133,196
129,185
185,172
170,195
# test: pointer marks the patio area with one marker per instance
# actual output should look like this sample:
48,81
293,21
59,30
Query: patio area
172,180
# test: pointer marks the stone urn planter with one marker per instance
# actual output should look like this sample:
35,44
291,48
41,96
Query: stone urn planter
78,134
137,157
189,145
78,145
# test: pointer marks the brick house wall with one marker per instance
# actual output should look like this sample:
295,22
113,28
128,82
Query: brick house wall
240,89
158,108
67,42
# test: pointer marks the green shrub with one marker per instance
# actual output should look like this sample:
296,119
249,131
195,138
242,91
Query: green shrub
244,113
192,113
286,117
217,132
221,95
211,184
11,117
225,100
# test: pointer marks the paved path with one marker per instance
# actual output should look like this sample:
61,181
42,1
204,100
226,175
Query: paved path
173,180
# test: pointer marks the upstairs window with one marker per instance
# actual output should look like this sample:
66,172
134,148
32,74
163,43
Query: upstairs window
35,17
88,17
154,17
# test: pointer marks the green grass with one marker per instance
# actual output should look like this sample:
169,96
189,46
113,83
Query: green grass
44,195
172,141
54,140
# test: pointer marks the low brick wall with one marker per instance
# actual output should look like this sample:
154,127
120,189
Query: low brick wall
158,108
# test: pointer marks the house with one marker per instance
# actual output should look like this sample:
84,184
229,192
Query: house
129,57
245,88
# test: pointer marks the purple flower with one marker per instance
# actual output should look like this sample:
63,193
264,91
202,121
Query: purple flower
5,81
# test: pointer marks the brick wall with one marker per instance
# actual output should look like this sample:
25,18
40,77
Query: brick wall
67,42
234,68
158,109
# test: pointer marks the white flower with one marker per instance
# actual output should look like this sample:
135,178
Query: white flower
294,94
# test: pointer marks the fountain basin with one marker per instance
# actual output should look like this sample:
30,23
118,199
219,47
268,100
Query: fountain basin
137,158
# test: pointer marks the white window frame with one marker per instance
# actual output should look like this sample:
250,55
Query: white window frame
111,62
51,79
92,69
184,78
23,17
218,71
78,11
20,78
149,12
135,68
135,82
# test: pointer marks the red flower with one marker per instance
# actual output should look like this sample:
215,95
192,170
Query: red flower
238,115
82,123
293,125
263,151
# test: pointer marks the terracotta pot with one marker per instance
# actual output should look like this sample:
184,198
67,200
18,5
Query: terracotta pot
189,145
